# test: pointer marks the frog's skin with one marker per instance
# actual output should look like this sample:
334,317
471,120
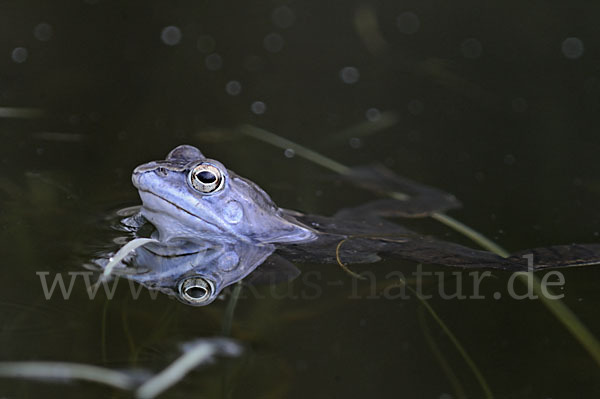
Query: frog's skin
238,211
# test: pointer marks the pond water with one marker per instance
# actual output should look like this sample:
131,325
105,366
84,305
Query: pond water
497,105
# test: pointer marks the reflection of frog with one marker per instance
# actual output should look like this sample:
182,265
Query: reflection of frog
196,274
188,195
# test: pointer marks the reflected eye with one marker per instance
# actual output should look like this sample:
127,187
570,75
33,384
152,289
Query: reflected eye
196,290
206,178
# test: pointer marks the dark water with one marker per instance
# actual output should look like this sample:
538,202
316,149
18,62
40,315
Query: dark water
497,104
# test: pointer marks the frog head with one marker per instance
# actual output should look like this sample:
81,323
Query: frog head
190,196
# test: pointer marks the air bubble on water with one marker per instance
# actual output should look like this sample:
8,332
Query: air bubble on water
373,115
170,35
289,153
273,42
349,75
283,17
471,48
519,104
206,44
408,22
213,62
355,142
572,48
233,87
258,107
43,32
19,54
416,107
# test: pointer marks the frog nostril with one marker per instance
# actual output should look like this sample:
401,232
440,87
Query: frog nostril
161,171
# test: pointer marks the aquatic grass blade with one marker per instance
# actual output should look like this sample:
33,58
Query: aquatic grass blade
278,141
230,309
565,315
459,391
459,347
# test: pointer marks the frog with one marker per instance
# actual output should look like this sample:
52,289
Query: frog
188,195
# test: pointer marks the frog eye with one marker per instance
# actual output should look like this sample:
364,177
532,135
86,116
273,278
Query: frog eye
196,290
206,178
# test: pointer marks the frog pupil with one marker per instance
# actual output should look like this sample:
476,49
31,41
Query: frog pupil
206,177
196,292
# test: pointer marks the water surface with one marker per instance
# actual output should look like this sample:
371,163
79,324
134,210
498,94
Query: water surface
498,105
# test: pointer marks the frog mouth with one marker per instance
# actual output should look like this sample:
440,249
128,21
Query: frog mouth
163,199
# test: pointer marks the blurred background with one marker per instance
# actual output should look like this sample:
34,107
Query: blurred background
497,103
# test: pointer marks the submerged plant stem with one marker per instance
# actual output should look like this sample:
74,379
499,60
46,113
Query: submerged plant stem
230,309
475,236
278,141
366,128
459,391
103,331
565,315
